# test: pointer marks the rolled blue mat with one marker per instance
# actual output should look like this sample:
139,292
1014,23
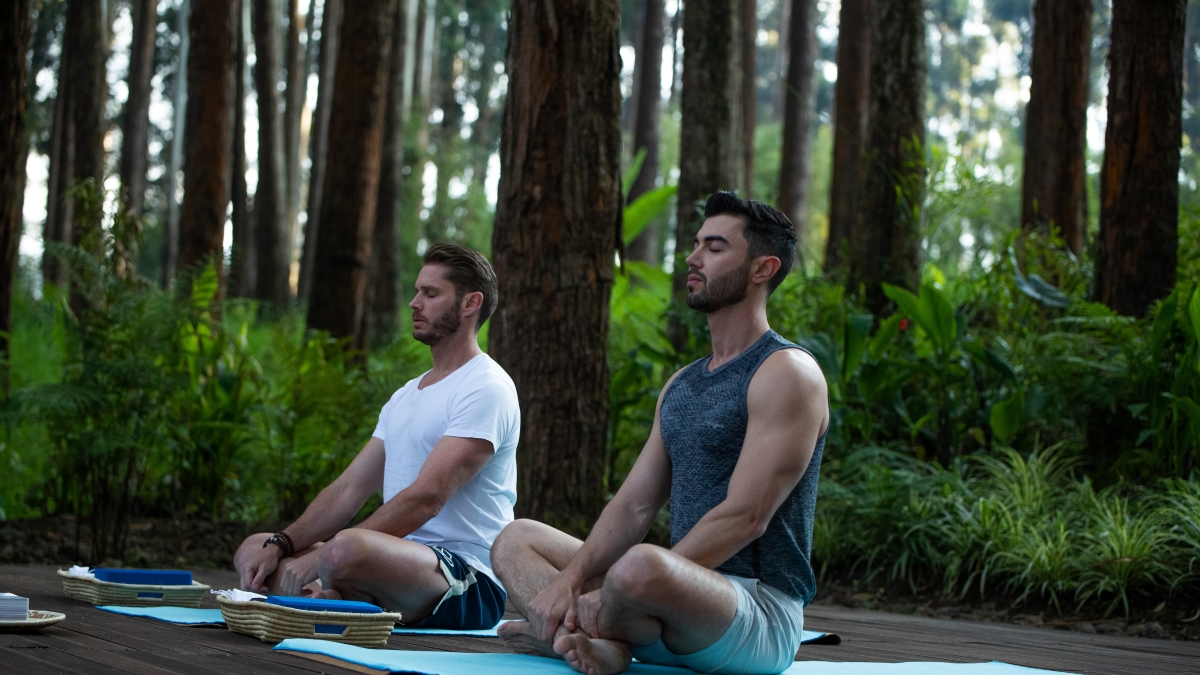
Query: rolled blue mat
454,663
187,616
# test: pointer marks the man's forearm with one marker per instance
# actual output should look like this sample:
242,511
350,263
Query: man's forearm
621,526
720,534
404,514
325,516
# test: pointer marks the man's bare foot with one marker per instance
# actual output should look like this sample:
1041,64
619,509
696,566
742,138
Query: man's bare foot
519,637
593,656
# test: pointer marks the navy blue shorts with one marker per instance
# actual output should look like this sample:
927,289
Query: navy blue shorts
473,602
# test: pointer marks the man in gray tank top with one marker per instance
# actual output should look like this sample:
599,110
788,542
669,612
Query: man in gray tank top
736,448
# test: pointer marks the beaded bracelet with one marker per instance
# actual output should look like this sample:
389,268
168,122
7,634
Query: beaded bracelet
283,541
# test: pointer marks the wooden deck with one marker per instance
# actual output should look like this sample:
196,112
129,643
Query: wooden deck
91,641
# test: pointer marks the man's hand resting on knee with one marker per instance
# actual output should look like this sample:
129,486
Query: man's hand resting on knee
555,606
261,565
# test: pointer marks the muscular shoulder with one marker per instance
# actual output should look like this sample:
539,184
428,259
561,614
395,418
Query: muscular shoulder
788,380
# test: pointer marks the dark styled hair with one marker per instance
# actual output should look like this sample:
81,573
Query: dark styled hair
470,272
768,231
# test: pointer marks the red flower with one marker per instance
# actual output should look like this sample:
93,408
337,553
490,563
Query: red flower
903,325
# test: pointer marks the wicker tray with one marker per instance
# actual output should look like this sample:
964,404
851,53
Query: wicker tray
36,620
132,595
273,623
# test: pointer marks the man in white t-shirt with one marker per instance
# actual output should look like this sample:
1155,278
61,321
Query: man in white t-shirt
444,454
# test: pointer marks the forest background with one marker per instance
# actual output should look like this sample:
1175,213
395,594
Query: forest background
1016,413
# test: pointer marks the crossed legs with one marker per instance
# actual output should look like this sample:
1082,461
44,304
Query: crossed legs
388,571
650,594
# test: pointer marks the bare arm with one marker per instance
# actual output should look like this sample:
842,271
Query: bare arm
328,513
340,500
622,524
452,463
788,410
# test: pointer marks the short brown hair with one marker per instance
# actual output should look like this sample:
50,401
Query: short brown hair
470,272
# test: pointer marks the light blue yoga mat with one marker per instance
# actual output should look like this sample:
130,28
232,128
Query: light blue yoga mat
809,637
188,616
453,663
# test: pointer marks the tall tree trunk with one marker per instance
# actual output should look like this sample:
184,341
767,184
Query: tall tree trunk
135,135
1139,179
485,131
411,9
241,258
179,103
710,155
356,131
558,220
646,122
885,240
383,291
318,140
1054,186
850,107
297,84
84,36
781,57
270,228
15,29
59,210
676,55
208,153
798,104
749,96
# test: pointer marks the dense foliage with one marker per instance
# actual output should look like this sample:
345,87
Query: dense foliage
996,433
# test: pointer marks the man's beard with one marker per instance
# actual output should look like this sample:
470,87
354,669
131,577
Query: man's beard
441,328
728,289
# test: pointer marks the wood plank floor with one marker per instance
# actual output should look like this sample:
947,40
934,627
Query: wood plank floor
91,641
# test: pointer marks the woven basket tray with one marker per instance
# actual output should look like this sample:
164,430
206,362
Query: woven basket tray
273,623
132,595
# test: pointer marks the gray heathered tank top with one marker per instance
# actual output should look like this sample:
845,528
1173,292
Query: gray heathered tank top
703,424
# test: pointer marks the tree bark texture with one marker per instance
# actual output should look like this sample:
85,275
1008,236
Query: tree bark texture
798,108
241,258
297,83
1054,186
170,249
710,156
558,219
383,294
885,245
749,97
83,36
1139,179
136,132
646,124
318,141
15,28
59,210
356,131
270,228
208,156
850,108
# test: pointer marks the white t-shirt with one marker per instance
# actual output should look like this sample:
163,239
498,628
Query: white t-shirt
478,400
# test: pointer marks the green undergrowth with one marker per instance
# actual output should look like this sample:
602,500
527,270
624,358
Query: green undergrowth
1026,527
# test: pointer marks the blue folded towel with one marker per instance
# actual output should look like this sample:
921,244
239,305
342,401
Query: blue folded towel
188,616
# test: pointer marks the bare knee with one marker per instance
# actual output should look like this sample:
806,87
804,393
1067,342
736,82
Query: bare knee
642,573
342,555
517,536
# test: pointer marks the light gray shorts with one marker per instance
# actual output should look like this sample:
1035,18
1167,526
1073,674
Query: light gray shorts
763,638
